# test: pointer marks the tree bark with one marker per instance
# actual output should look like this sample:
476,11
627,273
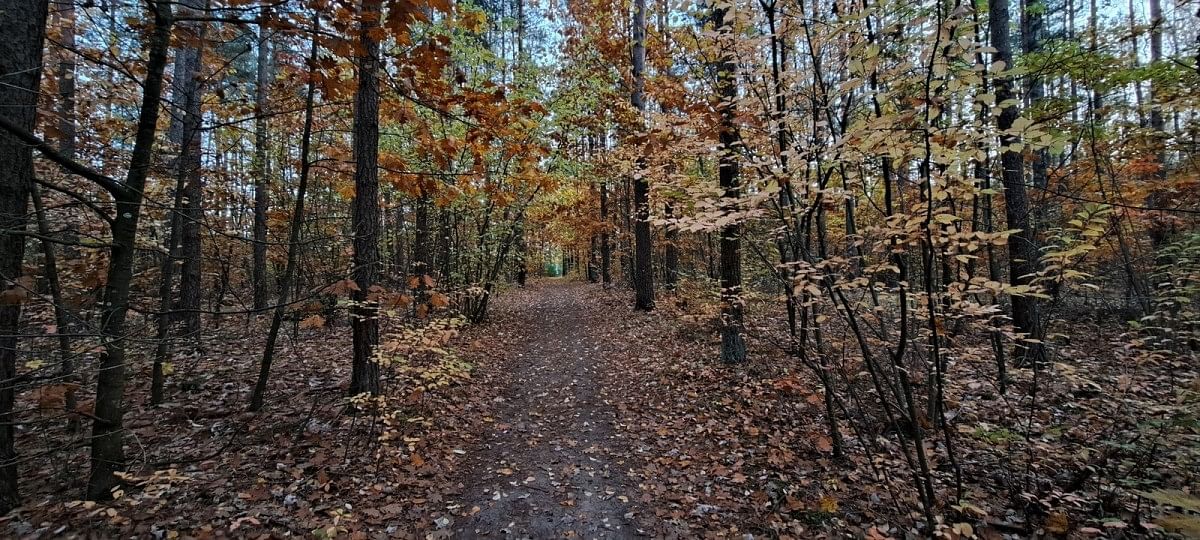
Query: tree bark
733,346
671,258
186,93
65,73
364,322
1022,246
605,241
1032,29
420,262
23,27
264,367
50,264
108,455
1156,117
262,172
643,264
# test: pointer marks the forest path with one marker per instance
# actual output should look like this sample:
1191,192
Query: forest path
550,467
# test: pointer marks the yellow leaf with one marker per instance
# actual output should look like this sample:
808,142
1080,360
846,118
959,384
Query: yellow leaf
472,21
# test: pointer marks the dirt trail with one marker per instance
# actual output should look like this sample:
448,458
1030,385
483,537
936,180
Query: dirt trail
551,467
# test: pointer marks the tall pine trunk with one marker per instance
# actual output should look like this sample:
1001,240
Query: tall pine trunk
643,264
671,257
23,28
262,167
364,322
187,95
289,271
1022,246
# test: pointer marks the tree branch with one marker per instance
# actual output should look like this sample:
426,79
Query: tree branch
113,186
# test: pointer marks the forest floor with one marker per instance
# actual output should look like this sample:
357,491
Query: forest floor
552,467
569,415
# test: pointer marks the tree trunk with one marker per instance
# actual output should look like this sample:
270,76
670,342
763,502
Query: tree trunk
605,241
108,455
187,95
66,365
1031,43
783,140
983,178
1161,227
593,266
262,167
23,28
733,346
643,264
264,368
1156,117
522,266
420,262
364,377
65,73
166,292
671,259
445,230
1022,246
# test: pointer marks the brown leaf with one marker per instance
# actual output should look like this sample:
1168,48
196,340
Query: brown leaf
313,321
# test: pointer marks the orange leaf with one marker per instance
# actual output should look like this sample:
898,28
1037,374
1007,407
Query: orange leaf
314,321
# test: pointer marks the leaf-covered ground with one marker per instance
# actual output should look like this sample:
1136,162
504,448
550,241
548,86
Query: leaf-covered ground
569,415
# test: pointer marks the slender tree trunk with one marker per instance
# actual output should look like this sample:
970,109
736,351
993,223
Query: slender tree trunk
108,455
67,141
289,271
165,289
1022,246
783,141
593,264
364,377
65,73
1032,28
188,94
262,167
445,229
605,225
1135,62
1156,47
1161,228
165,318
23,27
643,264
399,260
420,263
733,346
66,365
983,177
671,258
522,267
